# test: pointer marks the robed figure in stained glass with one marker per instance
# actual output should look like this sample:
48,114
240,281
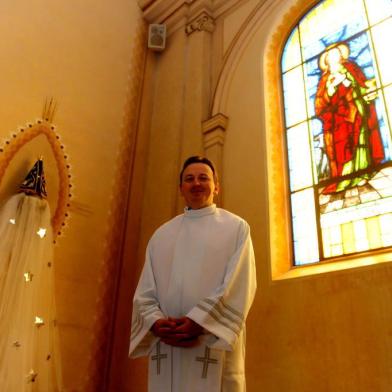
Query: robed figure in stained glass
344,104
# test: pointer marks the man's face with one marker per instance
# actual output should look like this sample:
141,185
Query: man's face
198,186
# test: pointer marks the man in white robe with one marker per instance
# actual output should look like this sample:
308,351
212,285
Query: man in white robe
195,292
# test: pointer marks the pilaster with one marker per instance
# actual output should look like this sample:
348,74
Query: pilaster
214,130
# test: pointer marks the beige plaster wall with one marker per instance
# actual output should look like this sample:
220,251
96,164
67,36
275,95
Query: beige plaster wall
324,332
86,55
152,197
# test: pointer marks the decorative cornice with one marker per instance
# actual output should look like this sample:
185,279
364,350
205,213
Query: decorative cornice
164,11
204,22
219,120
177,14
144,4
214,130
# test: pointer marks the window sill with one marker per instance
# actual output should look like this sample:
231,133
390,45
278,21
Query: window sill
348,262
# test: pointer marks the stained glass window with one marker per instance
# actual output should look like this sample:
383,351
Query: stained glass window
337,89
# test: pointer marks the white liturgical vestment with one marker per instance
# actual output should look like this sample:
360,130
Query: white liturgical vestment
200,265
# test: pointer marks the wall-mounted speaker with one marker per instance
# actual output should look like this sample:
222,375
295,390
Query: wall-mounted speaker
157,37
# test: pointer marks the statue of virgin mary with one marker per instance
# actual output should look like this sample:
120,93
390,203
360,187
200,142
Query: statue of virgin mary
28,361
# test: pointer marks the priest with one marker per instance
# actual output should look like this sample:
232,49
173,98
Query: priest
195,291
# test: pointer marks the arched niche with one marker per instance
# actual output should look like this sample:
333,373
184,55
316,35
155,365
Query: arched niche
19,153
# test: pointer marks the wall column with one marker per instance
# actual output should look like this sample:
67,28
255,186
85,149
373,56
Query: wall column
214,130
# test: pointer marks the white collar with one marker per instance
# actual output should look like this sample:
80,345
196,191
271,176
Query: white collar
189,213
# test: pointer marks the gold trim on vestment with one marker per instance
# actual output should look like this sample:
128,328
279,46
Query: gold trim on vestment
233,316
141,314
214,314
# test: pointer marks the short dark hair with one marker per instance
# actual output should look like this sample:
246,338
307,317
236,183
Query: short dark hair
198,159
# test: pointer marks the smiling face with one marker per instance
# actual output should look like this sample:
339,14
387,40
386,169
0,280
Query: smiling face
198,186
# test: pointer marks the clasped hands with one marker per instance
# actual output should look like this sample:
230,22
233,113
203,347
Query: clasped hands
179,332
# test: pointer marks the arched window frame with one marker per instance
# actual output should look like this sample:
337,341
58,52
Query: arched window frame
281,250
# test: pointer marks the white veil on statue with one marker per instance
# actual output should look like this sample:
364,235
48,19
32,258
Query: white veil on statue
27,322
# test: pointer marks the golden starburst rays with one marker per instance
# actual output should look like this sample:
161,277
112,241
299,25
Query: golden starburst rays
49,110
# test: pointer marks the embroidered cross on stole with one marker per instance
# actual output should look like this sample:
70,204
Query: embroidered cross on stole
206,361
158,357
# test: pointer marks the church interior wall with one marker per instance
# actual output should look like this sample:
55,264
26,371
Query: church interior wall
321,332
86,57
126,119
311,332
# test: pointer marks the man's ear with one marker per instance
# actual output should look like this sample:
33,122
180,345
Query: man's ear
217,188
